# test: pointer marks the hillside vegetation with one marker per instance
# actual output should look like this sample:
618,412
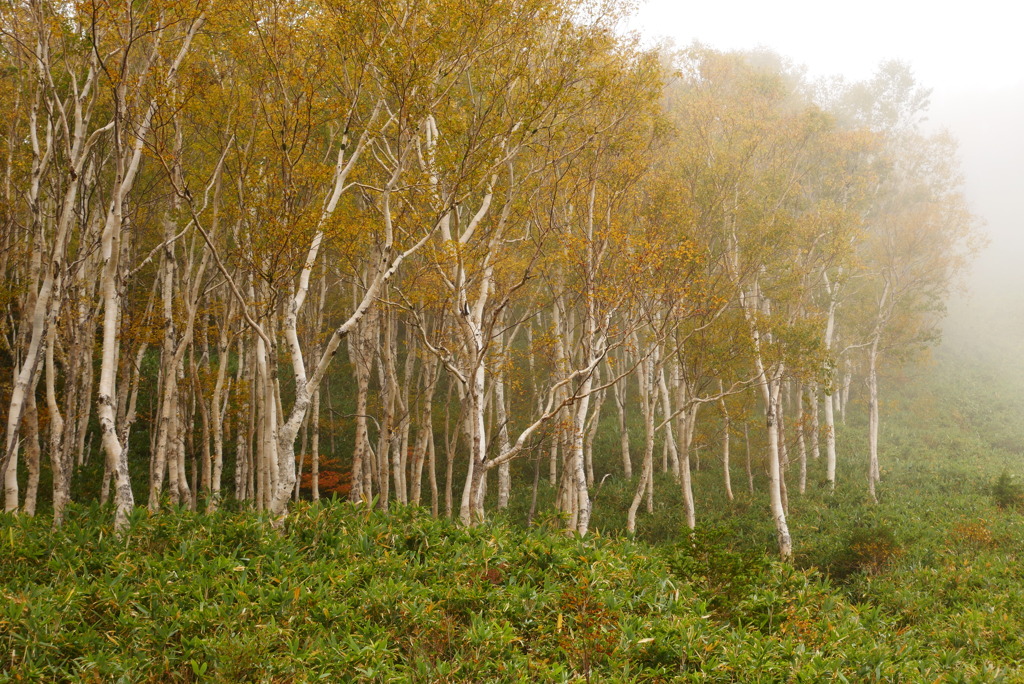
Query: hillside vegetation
926,585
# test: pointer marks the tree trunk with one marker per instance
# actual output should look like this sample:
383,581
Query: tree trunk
873,470
361,345
595,424
645,371
812,400
217,414
619,390
578,473
434,502
801,441
726,473
783,452
830,443
750,470
670,435
504,470
845,394
59,458
32,454
314,456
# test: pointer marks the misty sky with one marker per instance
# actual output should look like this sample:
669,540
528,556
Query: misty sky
975,47
972,58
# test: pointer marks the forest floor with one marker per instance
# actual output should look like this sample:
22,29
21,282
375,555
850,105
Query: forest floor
927,585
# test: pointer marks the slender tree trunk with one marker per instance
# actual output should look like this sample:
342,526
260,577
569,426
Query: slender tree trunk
451,440
812,400
217,414
246,407
361,345
303,449
647,406
873,470
682,422
801,441
726,472
830,424
434,502
845,394
783,452
670,436
830,443
770,389
116,461
646,471
314,457
533,496
184,431
619,390
559,362
645,372
205,436
59,461
388,390
595,424
471,508
25,373
32,453
579,474
750,470
501,409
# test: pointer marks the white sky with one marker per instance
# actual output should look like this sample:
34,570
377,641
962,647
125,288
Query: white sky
976,45
970,54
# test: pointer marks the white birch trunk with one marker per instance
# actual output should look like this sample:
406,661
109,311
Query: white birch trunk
619,390
873,470
830,422
726,423
812,399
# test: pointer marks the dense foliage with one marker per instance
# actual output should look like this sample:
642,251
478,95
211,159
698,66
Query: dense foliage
923,586
347,594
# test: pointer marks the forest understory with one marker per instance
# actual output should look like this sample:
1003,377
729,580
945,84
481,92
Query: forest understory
926,584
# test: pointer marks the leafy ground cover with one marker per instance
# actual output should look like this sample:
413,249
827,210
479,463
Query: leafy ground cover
927,585
345,594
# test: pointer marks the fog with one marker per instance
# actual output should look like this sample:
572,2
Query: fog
989,313
971,61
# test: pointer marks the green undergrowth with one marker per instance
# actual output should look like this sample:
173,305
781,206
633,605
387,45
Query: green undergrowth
924,585
345,594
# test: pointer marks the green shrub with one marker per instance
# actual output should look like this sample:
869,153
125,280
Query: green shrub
867,551
1007,492
724,577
